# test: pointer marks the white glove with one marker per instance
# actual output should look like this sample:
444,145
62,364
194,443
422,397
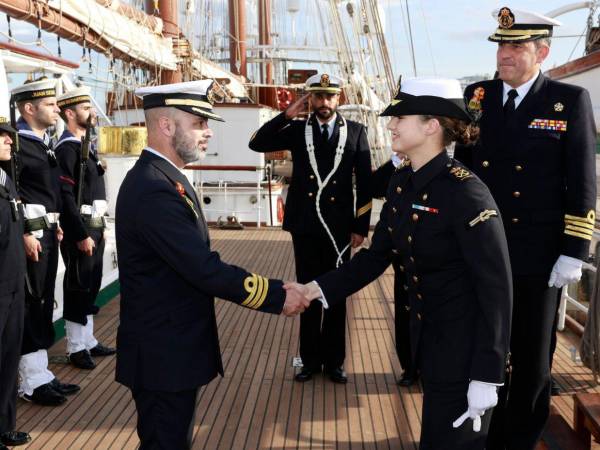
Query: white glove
480,397
566,270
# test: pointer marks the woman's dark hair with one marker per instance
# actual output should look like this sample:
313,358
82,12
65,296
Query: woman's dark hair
456,130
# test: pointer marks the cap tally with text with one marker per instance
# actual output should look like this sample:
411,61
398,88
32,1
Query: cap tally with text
194,97
34,91
323,82
428,96
74,97
521,26
5,125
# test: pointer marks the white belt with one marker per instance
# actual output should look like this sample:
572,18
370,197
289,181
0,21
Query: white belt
53,217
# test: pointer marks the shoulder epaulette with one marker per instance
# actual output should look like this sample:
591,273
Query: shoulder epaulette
459,173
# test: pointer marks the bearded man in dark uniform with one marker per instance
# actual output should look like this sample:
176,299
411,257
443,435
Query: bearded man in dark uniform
320,211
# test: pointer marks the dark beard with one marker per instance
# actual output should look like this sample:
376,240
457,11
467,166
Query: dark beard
324,117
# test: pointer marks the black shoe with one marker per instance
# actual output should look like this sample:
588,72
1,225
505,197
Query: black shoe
407,379
45,395
101,350
555,388
305,374
82,360
14,438
64,388
337,375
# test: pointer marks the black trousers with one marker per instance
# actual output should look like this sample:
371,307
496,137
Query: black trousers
38,332
443,403
524,401
402,322
165,419
322,333
11,333
83,278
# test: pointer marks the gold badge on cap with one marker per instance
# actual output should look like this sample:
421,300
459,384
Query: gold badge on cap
210,94
325,80
506,18
558,107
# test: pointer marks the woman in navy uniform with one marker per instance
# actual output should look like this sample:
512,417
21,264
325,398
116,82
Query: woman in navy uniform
443,224
12,296
379,186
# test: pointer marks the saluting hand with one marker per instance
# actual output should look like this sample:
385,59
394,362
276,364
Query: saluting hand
297,107
32,247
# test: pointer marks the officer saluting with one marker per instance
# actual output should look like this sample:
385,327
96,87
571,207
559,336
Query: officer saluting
319,212
38,188
84,205
537,156
12,296
167,342
442,223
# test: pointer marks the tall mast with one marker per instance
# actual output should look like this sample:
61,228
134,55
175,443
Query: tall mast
237,37
266,96
167,11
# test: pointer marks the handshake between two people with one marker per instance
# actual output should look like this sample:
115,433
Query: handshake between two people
299,296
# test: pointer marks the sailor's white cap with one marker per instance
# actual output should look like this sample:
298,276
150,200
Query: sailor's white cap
74,97
516,25
428,96
323,82
194,97
34,90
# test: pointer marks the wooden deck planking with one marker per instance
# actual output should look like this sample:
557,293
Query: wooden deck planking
257,405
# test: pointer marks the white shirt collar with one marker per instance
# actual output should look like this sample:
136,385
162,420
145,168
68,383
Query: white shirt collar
154,152
521,90
330,123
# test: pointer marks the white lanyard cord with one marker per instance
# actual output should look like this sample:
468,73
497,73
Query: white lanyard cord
339,152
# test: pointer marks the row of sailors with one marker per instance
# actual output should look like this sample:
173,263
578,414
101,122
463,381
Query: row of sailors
53,199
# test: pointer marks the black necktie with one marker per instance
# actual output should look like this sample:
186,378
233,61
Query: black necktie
325,133
509,106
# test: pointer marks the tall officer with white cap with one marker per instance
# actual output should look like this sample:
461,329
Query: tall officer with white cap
443,225
84,205
167,342
12,295
38,188
327,150
537,156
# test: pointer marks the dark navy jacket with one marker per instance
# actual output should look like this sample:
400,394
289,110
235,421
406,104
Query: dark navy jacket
12,252
337,199
457,270
68,153
37,170
541,170
167,338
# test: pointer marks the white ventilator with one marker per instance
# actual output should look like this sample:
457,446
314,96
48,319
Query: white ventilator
339,152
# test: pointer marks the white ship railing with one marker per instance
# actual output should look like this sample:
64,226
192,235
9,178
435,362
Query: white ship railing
225,186
566,299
